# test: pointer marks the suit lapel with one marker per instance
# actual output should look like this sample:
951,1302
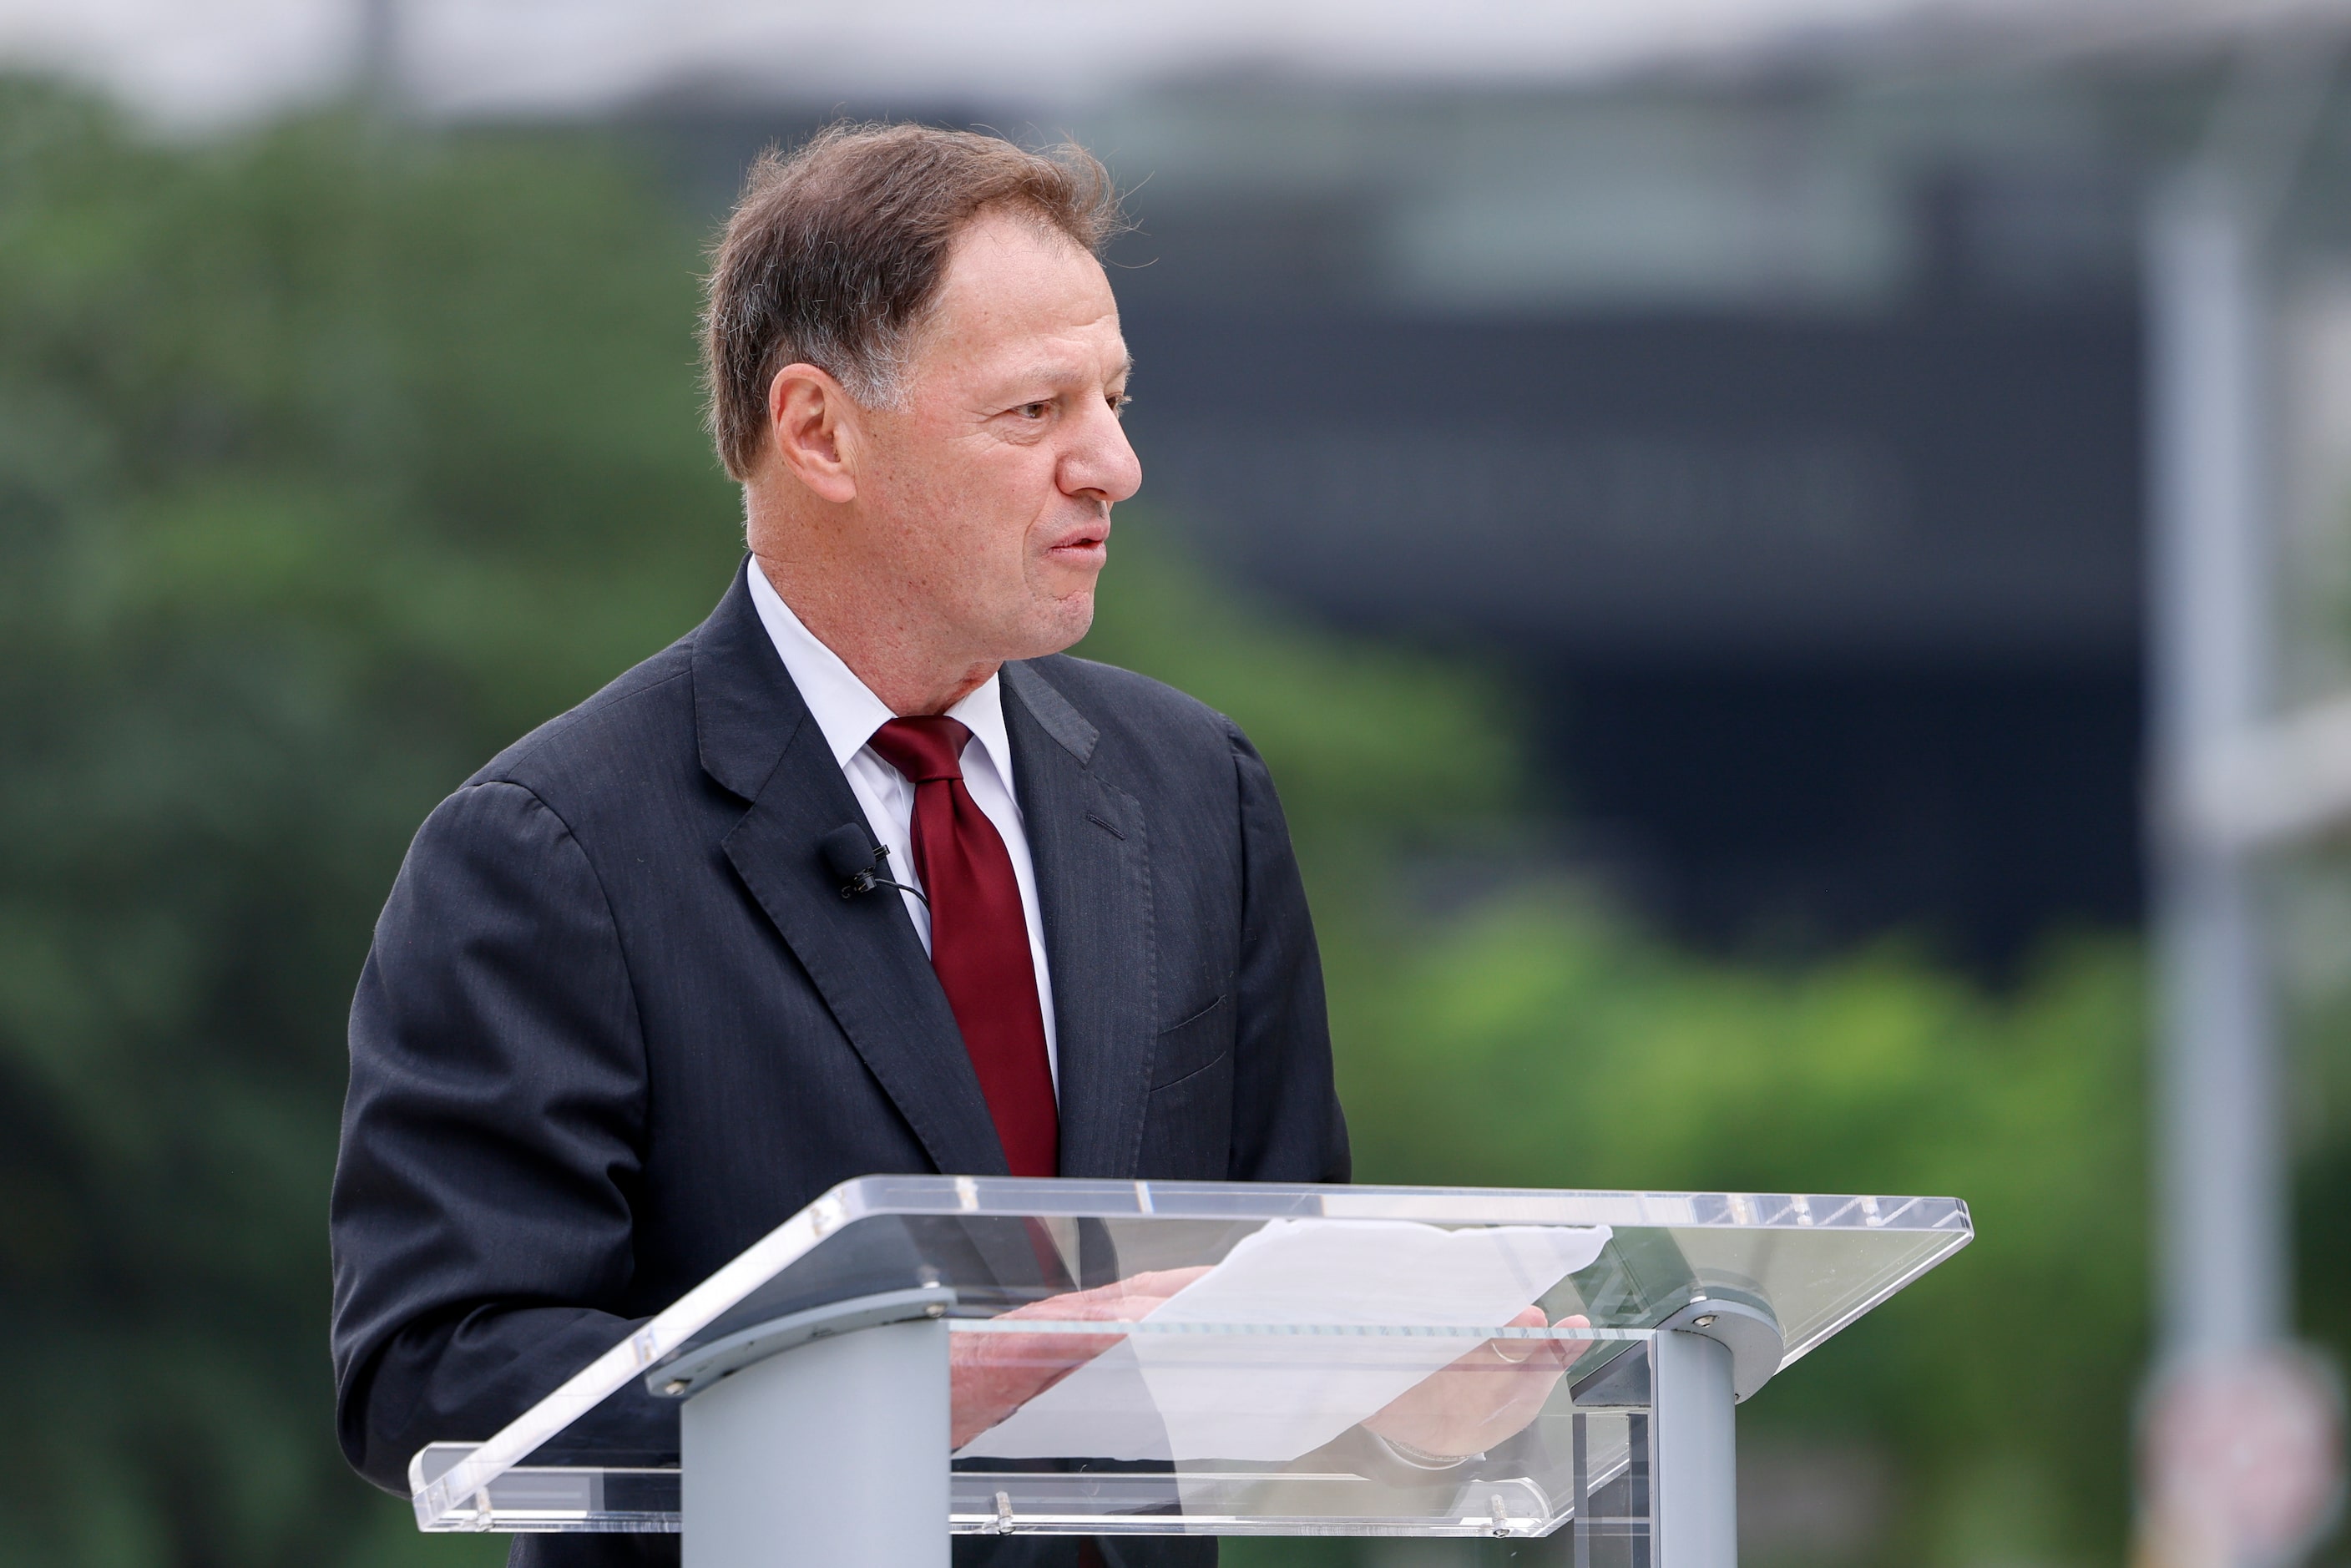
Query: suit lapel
759,741
1089,841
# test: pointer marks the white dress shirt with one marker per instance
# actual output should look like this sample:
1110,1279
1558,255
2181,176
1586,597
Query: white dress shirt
849,714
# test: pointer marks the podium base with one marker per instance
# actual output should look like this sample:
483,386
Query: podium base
832,1454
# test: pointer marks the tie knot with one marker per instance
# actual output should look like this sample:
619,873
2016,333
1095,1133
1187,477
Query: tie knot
923,749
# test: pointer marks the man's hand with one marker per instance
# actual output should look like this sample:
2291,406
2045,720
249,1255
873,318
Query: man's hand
1488,1395
992,1376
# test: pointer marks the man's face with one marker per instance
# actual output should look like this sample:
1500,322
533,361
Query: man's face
992,491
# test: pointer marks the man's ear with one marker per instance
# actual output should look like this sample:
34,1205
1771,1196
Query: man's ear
813,427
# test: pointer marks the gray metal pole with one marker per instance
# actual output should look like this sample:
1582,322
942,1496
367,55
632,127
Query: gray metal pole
830,1454
2220,1177
1694,1429
376,60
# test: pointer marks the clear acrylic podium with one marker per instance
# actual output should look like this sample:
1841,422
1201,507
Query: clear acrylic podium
915,1356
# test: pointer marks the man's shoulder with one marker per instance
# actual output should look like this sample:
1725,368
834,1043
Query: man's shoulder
1148,739
1131,707
632,725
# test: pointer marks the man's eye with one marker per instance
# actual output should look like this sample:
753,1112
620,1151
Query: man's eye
1119,402
1035,410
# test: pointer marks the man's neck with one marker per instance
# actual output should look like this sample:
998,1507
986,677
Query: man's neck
878,645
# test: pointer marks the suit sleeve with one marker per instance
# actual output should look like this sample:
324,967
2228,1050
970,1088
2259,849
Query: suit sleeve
1287,1125
491,1139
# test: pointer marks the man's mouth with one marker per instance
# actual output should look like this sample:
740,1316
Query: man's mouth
1088,542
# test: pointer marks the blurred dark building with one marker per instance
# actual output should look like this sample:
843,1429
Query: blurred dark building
1830,626
1784,446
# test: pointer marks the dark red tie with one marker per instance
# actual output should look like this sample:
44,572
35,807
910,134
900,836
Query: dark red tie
980,939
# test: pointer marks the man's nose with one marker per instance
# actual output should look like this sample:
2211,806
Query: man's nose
1102,463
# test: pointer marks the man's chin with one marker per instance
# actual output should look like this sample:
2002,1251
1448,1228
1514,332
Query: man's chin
1057,627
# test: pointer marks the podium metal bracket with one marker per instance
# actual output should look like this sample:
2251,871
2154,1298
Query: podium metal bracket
691,1373
1750,1333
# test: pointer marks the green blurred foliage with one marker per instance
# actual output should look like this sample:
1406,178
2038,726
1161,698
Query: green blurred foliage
2003,1381
326,466
331,460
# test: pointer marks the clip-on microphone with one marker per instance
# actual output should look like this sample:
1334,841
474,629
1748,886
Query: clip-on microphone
852,855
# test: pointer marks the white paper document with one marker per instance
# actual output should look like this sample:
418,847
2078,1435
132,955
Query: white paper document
1272,1397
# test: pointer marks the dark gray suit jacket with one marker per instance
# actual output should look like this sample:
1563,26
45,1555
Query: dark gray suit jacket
618,1023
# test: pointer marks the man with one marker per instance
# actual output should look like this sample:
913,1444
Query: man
617,1021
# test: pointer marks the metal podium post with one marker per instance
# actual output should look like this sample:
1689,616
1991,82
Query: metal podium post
1695,1466
1714,1353
819,1439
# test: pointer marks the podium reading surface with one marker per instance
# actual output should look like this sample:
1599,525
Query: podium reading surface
911,1357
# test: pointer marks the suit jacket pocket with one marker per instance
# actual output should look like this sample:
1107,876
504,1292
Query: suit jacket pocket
1187,1121
1199,1042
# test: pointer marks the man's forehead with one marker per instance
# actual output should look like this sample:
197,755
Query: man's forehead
1040,347
1074,365
1014,275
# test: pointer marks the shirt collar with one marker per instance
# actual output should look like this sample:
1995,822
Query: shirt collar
844,708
